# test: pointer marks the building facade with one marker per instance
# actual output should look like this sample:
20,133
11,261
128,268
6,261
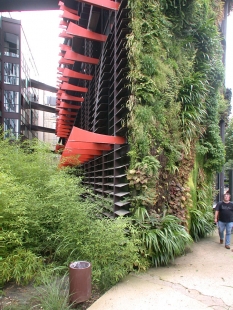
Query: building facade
19,98
93,94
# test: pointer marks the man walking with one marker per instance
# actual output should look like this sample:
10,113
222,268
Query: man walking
224,219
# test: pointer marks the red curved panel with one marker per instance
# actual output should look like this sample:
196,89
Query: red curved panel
78,134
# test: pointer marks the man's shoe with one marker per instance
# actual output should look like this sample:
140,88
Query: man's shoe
227,247
221,241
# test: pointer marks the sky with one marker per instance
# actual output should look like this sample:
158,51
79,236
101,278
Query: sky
42,31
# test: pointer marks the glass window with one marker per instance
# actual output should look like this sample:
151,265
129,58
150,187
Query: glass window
11,101
11,73
11,44
11,128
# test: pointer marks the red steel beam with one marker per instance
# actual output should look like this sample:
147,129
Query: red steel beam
70,16
66,112
64,47
106,4
65,105
63,7
64,79
62,135
65,35
78,31
65,122
72,56
63,129
67,86
66,117
78,75
62,121
64,96
60,69
63,24
66,61
60,124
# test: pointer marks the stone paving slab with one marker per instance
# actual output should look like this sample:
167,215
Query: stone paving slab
201,279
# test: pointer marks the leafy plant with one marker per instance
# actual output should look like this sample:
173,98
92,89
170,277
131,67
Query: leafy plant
21,266
58,221
143,171
110,246
202,223
177,100
164,238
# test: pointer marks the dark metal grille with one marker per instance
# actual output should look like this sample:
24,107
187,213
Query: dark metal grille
104,111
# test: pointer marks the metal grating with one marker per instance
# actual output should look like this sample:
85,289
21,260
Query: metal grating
104,111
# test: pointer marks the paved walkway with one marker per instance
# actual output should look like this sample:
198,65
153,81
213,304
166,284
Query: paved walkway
201,279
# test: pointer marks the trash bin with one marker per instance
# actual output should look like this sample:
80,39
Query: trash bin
80,281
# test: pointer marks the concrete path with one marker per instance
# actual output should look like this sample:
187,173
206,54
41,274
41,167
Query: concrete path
201,279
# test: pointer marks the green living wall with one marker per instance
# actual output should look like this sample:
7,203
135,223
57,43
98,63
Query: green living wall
177,101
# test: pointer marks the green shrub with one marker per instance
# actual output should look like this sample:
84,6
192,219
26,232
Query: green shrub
110,246
48,213
21,266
